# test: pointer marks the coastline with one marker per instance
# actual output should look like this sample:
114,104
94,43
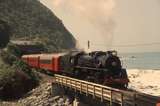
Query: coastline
145,80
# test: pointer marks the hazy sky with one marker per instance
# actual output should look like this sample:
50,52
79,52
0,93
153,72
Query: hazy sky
111,22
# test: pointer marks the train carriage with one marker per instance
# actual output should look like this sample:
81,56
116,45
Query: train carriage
50,62
32,60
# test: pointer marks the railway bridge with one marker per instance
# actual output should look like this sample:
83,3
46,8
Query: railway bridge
111,95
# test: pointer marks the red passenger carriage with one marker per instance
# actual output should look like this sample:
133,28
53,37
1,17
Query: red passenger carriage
49,62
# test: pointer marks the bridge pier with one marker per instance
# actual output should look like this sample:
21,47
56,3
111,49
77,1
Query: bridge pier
76,102
57,90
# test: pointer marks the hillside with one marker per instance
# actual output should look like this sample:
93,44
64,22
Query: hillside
31,20
15,75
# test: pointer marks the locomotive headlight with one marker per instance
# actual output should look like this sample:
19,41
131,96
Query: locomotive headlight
114,64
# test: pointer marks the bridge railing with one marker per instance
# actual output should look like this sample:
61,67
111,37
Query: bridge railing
121,97
97,91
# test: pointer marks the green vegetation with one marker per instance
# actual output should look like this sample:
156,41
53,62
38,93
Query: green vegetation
4,34
31,20
14,50
26,20
15,75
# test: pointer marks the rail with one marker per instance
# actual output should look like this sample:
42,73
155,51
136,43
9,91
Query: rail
121,97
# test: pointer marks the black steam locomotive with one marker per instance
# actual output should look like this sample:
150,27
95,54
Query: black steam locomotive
98,66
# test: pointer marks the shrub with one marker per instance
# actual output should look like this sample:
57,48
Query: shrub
5,33
7,58
13,80
14,50
15,75
22,66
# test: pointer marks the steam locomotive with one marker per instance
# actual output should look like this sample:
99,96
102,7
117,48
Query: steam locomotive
98,66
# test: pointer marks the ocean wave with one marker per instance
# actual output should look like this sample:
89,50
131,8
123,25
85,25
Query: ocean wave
145,80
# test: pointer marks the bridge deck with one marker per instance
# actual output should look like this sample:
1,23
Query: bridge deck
121,97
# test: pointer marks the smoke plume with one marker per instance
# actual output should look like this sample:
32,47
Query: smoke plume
91,20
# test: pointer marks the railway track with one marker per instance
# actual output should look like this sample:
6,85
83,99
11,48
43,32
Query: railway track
112,95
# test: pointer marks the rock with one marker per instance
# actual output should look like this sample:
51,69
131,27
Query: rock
54,99
42,96
67,102
61,102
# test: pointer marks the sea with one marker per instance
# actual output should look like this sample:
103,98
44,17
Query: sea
146,61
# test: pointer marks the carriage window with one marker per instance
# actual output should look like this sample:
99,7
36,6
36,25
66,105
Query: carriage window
45,61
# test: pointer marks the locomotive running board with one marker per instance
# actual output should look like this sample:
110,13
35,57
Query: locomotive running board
97,69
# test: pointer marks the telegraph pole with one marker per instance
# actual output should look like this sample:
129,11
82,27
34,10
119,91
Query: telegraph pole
88,44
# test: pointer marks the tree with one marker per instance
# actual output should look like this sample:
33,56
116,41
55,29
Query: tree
4,33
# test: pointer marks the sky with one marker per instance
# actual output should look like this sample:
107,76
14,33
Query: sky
123,25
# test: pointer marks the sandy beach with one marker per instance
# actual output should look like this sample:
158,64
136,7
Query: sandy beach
146,81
